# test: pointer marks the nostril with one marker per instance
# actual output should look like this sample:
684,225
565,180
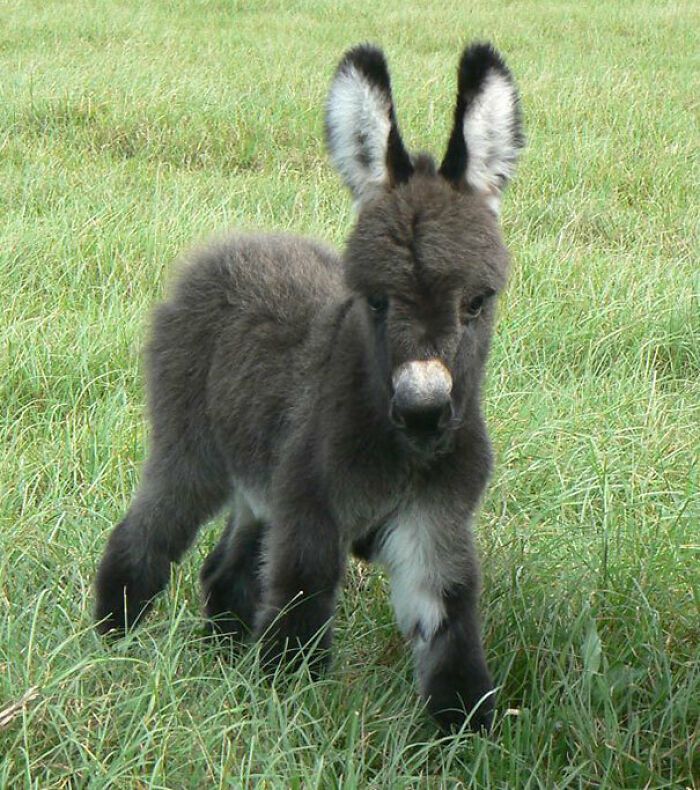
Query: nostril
447,416
396,416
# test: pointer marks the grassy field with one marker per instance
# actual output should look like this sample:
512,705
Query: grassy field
130,130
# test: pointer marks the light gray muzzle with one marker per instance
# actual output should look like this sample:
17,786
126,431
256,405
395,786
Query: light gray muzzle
422,401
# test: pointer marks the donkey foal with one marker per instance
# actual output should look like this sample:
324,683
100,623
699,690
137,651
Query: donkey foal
336,401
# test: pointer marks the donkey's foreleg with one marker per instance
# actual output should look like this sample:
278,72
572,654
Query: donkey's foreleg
302,571
451,666
434,588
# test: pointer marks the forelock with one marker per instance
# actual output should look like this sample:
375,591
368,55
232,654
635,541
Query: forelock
424,235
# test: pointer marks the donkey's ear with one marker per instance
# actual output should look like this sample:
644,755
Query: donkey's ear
487,135
361,131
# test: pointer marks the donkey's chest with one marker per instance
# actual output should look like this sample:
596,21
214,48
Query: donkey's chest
365,506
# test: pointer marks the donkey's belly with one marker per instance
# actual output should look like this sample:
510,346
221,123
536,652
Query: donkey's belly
250,504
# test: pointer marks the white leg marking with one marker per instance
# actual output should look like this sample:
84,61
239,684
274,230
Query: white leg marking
418,577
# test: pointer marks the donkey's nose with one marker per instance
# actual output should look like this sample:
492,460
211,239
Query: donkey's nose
422,396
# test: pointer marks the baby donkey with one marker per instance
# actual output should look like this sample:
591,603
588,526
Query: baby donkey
335,401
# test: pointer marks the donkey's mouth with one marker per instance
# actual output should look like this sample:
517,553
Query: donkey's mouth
428,445
427,434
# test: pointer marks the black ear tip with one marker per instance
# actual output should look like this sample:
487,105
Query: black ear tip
370,61
477,61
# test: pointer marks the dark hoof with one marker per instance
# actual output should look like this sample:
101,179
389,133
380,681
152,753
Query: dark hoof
230,600
227,629
287,643
124,595
479,719
452,708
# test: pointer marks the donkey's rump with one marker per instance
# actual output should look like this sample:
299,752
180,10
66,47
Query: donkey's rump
230,341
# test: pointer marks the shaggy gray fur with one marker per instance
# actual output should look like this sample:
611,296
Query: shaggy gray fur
272,379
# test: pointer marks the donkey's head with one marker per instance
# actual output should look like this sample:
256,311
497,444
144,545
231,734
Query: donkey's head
426,255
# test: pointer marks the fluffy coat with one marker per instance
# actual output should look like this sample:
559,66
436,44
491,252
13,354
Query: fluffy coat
336,399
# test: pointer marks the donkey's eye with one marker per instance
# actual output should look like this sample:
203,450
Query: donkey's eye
378,304
473,308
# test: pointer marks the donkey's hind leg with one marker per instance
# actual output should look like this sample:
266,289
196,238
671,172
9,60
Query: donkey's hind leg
177,495
231,574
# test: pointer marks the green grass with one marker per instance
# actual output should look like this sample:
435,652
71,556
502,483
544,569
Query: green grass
130,131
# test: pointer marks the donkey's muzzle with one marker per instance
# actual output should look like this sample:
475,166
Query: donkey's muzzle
422,401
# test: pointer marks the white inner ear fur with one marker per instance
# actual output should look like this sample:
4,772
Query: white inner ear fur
489,131
358,132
